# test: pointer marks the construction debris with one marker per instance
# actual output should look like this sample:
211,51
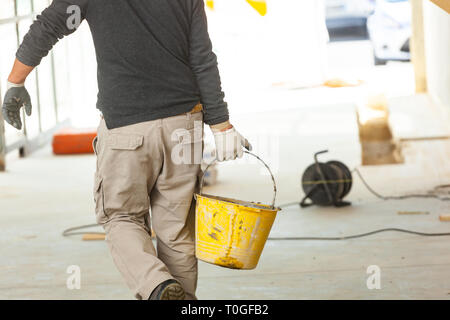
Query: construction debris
94,237
413,212
377,144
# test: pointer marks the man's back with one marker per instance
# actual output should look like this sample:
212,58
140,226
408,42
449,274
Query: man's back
154,56
143,58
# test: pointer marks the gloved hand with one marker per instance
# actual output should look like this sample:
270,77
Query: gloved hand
229,143
16,97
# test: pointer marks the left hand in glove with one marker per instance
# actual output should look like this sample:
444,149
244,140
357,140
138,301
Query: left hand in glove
16,97
229,143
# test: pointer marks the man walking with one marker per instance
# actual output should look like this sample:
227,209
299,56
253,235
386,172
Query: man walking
158,79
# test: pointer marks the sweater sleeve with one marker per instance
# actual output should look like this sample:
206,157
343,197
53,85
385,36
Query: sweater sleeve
60,19
204,65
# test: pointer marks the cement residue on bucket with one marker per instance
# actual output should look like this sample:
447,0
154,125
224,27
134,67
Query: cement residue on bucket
232,233
229,262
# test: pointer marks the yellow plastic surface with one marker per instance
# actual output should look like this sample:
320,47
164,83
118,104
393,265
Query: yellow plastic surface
230,233
259,5
210,4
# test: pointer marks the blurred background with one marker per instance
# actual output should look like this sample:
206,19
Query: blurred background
297,44
368,80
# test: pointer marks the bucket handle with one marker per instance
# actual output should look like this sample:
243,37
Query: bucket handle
254,155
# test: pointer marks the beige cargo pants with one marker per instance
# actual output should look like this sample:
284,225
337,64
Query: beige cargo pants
150,166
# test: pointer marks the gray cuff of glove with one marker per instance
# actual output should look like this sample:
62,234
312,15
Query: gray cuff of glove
14,85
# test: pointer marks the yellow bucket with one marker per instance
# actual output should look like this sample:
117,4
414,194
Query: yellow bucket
232,233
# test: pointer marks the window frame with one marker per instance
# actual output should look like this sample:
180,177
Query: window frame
27,144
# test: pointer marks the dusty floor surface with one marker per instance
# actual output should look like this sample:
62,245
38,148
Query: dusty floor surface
42,195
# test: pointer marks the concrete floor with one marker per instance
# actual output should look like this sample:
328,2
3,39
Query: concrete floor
42,195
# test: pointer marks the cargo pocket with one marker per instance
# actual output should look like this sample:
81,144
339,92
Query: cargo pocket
124,185
189,149
99,199
129,142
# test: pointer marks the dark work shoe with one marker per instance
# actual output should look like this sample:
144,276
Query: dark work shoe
168,290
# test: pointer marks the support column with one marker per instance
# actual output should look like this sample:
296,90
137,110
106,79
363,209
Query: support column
418,46
2,138
437,49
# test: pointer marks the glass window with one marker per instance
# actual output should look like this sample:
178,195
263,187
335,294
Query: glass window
23,7
40,83
7,55
6,9
62,78
46,95
40,5
9,48
32,122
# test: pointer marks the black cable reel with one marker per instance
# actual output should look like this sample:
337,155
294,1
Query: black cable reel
326,184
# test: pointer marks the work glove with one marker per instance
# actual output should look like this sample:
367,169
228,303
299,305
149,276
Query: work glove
229,143
16,97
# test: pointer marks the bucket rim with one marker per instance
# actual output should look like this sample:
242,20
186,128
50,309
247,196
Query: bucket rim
240,203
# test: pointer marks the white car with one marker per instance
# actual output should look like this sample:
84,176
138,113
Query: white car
348,13
390,30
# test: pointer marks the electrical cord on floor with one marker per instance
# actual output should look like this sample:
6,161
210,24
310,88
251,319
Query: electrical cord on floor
75,230
371,190
424,234
289,204
376,194
408,196
71,231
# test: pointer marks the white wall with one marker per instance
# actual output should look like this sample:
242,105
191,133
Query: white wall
437,52
287,46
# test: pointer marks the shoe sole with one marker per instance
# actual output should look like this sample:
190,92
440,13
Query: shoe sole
173,291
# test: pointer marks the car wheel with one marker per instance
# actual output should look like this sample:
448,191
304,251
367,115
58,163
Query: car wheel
377,61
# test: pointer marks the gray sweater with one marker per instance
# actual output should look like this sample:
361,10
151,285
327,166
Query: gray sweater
154,57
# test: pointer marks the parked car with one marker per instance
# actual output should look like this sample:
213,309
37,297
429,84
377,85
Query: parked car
348,13
390,31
